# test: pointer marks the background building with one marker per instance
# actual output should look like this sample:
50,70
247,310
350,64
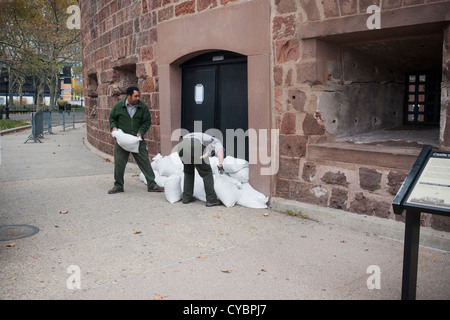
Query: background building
355,87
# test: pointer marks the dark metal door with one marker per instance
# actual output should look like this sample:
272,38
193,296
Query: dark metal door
198,97
214,91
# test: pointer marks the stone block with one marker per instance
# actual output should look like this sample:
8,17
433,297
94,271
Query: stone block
395,181
288,124
165,14
183,8
392,4
311,9
206,4
339,198
284,27
311,126
330,8
348,7
285,6
282,188
312,72
146,53
297,99
305,192
287,50
293,145
370,207
441,223
148,85
369,179
288,168
278,75
337,178
278,99
309,171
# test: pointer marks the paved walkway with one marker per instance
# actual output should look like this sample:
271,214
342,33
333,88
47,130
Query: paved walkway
136,245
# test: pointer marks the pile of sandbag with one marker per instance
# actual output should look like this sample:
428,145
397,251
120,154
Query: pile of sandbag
232,187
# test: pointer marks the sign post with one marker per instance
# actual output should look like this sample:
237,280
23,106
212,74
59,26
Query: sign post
425,189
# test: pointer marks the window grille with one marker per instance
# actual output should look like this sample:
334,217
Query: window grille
422,99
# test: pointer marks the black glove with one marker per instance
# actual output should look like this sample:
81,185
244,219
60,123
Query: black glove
221,170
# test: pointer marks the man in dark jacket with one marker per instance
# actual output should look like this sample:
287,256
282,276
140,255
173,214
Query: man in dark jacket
133,117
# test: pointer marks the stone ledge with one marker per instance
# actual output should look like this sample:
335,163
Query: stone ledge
394,157
362,223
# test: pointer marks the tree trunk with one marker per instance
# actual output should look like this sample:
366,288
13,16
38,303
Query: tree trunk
41,102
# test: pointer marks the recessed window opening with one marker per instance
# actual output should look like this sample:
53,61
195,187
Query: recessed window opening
92,95
388,92
125,76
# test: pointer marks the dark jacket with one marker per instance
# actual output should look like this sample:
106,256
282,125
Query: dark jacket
120,119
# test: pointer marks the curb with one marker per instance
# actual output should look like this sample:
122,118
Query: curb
15,129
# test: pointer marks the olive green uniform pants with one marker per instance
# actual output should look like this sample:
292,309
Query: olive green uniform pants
190,151
142,160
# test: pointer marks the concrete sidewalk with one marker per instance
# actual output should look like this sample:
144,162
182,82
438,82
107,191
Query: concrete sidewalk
136,245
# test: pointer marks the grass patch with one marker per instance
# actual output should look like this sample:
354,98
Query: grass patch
9,124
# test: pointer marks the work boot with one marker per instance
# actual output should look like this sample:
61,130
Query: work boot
156,189
114,190
188,201
215,203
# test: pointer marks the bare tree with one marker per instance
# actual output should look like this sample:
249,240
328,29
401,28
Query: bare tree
35,42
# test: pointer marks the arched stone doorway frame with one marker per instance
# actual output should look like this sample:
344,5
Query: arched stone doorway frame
242,28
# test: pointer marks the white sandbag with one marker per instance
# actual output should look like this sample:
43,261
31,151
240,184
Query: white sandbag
199,187
142,178
127,141
155,160
252,198
172,188
240,175
166,166
227,192
225,176
157,157
176,160
231,164
160,180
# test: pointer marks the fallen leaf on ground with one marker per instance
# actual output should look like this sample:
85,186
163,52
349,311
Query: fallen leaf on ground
107,160
137,232
266,214
226,271
10,245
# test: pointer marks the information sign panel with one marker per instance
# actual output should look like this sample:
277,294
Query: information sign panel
431,190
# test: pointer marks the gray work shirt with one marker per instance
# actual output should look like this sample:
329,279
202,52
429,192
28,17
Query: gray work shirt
131,109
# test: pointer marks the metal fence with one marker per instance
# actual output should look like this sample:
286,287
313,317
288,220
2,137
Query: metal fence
43,122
